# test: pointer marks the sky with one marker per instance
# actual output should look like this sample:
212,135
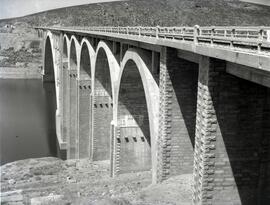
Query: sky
17,8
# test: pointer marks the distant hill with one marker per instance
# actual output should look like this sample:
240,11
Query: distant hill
154,12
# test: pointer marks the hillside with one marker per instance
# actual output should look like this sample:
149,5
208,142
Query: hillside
155,12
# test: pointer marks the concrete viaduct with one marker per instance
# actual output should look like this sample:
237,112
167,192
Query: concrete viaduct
173,100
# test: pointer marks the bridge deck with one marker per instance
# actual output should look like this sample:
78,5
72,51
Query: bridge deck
248,46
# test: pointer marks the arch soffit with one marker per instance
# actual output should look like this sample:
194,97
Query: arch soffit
49,36
77,50
113,66
91,52
65,37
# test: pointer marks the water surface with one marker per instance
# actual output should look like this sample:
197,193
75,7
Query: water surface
27,120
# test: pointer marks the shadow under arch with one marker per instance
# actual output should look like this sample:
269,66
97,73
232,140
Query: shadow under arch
87,54
74,53
50,91
48,67
105,73
137,80
66,45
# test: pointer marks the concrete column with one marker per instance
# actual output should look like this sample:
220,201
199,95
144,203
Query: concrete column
84,118
231,164
116,142
57,47
206,126
112,151
71,144
60,77
65,95
178,91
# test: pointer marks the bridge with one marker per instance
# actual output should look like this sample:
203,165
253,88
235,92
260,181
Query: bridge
173,100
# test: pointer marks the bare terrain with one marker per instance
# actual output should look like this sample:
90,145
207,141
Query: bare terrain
53,181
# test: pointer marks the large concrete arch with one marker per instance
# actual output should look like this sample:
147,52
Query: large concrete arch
84,129
142,60
113,64
87,46
52,73
101,100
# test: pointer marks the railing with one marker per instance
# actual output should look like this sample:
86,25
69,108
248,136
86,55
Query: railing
255,38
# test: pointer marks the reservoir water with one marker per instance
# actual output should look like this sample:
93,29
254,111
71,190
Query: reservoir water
27,120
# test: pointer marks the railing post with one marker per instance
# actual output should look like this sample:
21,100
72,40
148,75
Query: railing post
183,31
174,29
232,37
212,36
157,31
260,39
127,30
268,35
196,33
118,29
139,31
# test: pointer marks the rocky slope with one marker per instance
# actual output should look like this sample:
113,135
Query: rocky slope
20,52
53,181
155,12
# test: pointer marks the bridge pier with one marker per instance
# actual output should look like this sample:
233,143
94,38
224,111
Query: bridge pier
230,138
102,108
178,97
84,117
65,102
71,149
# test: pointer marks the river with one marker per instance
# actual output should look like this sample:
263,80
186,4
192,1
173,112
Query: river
27,120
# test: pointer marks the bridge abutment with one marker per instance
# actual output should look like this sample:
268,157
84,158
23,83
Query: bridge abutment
178,97
229,137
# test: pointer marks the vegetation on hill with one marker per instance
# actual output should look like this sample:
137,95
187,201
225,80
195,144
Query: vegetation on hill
155,12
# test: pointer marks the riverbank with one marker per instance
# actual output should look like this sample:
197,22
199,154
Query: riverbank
30,72
20,52
54,181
